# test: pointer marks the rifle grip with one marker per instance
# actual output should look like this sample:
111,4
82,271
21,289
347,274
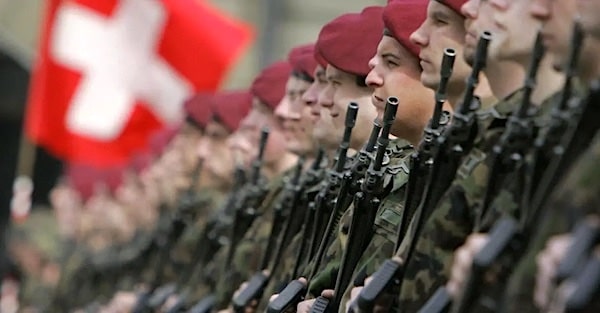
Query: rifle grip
438,303
253,291
587,284
585,236
500,237
320,305
381,280
205,305
292,294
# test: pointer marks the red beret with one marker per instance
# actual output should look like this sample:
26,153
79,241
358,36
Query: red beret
198,108
269,85
231,107
319,58
454,5
350,41
402,18
140,161
161,139
84,178
303,61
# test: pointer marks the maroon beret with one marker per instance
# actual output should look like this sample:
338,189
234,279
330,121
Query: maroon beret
454,5
140,161
269,85
198,108
402,18
231,107
350,41
160,139
319,58
84,178
303,61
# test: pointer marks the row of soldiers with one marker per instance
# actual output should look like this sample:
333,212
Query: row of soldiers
425,156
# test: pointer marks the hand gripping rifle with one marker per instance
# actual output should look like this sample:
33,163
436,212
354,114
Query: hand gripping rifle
508,241
326,199
147,299
366,203
286,215
448,150
295,291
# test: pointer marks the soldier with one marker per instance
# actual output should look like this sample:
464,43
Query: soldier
556,38
444,28
268,90
394,71
35,247
449,224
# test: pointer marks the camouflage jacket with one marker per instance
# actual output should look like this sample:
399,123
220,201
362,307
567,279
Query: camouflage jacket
385,226
453,219
249,251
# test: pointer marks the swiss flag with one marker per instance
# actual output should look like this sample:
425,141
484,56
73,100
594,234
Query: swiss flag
110,72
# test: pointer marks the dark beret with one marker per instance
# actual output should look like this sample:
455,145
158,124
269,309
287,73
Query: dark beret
303,61
269,85
402,18
198,108
231,107
350,41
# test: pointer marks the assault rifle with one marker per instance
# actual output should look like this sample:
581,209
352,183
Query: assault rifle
325,200
448,150
421,161
286,215
295,291
208,244
183,215
366,203
510,236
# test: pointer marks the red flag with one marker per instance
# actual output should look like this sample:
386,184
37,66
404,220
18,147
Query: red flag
110,72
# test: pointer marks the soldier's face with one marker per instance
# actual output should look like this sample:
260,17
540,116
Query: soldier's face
557,18
589,13
342,88
396,73
515,29
295,117
217,166
443,28
189,138
479,18
248,135
323,125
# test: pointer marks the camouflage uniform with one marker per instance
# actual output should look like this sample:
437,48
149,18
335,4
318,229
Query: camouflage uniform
453,219
250,249
385,226
281,274
577,195
40,232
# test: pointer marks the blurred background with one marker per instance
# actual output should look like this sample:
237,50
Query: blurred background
279,25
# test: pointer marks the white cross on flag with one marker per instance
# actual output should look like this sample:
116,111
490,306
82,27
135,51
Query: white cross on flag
110,72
